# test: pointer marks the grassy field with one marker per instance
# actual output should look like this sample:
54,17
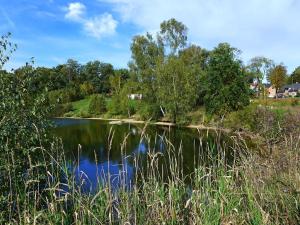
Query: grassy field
81,105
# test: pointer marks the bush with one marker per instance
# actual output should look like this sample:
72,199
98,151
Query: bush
86,88
149,111
65,95
114,106
97,105
84,114
61,109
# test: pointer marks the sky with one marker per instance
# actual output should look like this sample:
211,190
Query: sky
53,31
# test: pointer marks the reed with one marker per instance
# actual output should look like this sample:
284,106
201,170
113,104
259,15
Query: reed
249,190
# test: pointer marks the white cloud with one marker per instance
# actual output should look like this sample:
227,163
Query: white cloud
75,11
98,26
258,27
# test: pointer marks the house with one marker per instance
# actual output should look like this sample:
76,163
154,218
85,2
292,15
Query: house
291,90
254,86
135,96
271,91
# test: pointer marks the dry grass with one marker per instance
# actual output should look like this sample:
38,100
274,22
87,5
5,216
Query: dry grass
252,190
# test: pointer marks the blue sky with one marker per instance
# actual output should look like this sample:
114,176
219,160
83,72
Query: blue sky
52,31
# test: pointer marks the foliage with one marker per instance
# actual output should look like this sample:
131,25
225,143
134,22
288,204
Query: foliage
23,127
177,87
65,95
146,52
149,111
173,34
86,88
260,67
295,76
226,87
278,76
97,105
6,49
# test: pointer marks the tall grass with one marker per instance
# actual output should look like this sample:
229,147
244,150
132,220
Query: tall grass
249,190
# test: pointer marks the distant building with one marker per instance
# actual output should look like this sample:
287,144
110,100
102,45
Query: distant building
291,90
254,86
270,90
135,96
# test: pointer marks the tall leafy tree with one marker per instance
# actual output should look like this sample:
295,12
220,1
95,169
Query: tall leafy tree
295,76
260,67
196,59
72,70
278,76
227,89
173,35
146,53
178,84
98,73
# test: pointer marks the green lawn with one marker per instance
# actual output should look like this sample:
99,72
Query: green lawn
79,108
81,105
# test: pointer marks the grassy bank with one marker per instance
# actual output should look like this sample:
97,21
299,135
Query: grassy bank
252,190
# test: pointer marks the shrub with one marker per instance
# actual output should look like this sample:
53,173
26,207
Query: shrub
114,106
97,105
149,111
84,114
61,109
86,88
64,95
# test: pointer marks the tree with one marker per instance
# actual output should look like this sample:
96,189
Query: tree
259,69
278,76
261,66
24,124
227,89
97,104
6,49
178,85
86,88
98,73
173,34
117,80
196,59
73,69
295,76
146,53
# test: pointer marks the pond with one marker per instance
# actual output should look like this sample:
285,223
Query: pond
99,151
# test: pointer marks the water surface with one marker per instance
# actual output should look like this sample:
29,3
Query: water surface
97,148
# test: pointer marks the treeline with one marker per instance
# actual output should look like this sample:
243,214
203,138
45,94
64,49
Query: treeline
172,76
72,81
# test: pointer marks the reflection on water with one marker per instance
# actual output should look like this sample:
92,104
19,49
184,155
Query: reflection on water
108,153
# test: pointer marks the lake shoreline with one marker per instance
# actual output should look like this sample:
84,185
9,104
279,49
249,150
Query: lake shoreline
169,124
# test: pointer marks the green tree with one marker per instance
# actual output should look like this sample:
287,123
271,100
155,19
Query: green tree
227,89
23,128
178,85
295,76
278,76
97,105
260,67
196,59
6,49
173,34
72,70
86,88
145,55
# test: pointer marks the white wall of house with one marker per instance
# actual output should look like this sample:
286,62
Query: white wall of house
135,96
